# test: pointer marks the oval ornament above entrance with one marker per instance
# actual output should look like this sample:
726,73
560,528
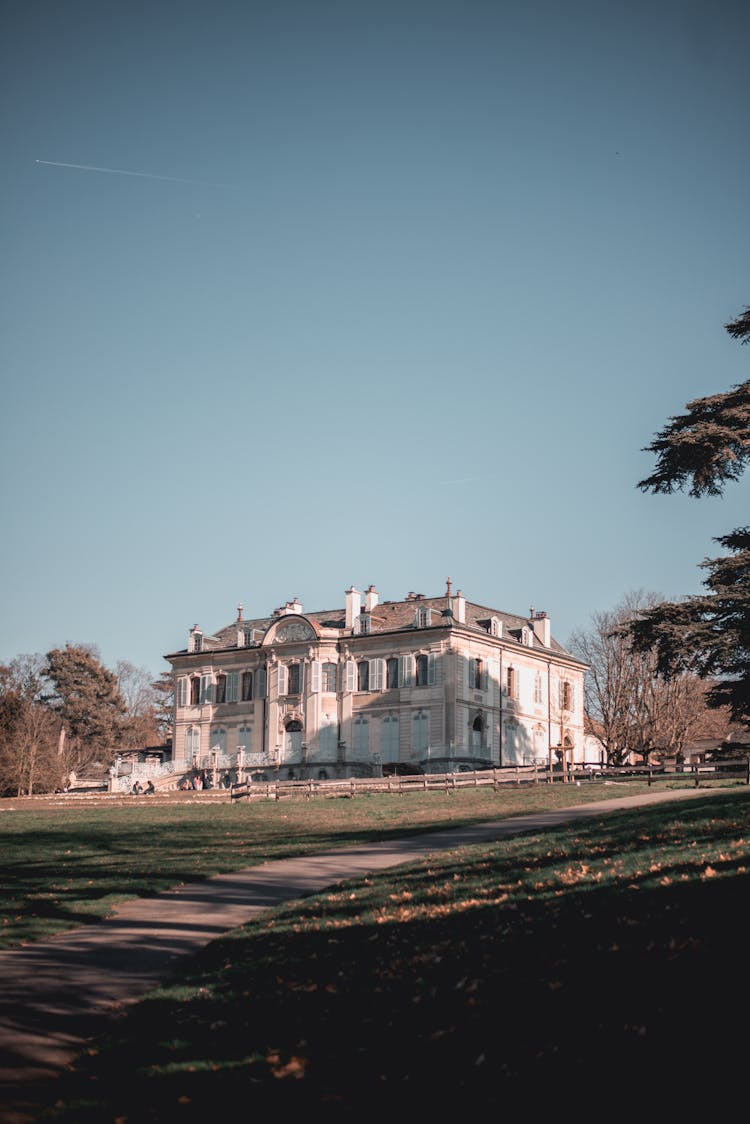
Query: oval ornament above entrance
293,630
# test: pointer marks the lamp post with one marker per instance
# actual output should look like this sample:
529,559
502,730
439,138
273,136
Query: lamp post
240,763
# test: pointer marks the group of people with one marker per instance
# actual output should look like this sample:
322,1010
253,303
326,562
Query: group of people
139,790
201,780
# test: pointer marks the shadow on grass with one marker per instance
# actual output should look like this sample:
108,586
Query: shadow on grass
475,981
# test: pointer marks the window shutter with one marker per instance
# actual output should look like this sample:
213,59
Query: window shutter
376,675
232,681
281,680
406,671
431,669
315,676
182,691
461,672
260,683
205,689
485,677
350,676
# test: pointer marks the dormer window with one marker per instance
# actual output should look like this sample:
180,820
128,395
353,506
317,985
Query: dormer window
496,627
526,637
196,640
363,624
423,616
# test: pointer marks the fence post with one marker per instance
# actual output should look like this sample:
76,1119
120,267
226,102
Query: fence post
650,771
695,770
747,778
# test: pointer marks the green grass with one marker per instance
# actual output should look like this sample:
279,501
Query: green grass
66,865
596,967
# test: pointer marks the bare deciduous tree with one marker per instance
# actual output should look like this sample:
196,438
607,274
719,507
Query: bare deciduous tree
630,707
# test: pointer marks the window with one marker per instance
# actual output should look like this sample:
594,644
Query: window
377,674
247,686
245,738
389,738
406,671
363,675
293,740
496,627
232,685
422,671
195,691
219,741
476,674
328,738
221,688
329,678
476,732
511,683
197,644
538,697
361,737
249,637
260,683
566,694
192,742
364,624
423,617
420,736
295,679
391,673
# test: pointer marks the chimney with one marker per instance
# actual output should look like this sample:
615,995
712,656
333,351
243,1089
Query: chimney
540,623
353,606
459,607
293,606
371,599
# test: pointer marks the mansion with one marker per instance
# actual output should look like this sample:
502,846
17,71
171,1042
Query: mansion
424,684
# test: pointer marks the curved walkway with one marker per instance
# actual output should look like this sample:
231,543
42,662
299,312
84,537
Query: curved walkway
57,994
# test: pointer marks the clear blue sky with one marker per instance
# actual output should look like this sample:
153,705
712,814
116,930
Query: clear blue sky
400,290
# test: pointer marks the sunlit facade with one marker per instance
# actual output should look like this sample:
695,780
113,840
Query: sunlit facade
424,684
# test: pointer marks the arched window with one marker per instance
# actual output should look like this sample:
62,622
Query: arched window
245,738
477,727
363,675
392,673
219,740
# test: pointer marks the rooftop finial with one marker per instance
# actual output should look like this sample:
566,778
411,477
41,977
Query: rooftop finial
239,612
447,587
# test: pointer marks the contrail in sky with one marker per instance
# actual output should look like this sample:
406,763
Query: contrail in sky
141,175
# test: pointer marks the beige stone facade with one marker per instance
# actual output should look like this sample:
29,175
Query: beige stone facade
424,684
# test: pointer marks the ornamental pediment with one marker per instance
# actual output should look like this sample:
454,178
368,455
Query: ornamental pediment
290,630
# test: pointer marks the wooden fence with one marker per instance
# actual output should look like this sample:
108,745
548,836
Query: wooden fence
452,782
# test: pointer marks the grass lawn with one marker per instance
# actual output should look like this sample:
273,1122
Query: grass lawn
596,968
68,864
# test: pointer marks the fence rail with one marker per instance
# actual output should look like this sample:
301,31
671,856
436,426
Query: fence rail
451,782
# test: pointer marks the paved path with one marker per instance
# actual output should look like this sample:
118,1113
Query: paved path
57,994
